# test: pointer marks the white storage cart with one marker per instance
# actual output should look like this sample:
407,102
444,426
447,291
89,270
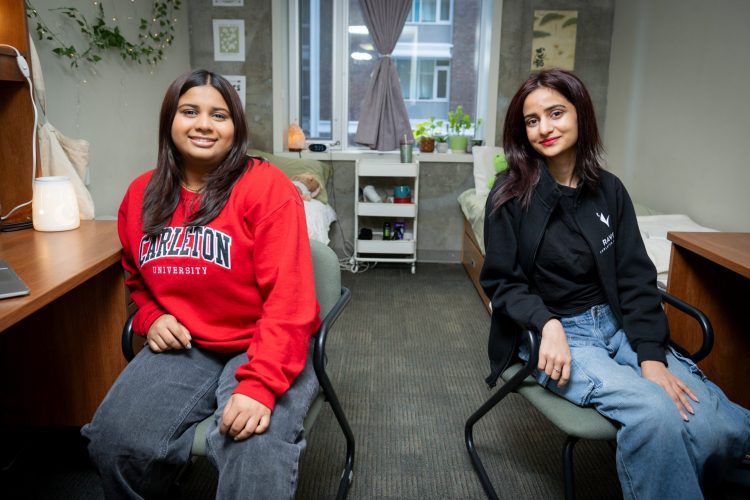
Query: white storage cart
384,176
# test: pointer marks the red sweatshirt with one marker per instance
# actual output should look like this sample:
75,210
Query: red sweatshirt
243,282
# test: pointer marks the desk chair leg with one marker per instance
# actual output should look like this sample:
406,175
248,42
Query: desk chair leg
568,478
503,391
330,394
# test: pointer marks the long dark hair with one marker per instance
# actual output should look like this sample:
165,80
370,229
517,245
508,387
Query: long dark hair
163,190
524,162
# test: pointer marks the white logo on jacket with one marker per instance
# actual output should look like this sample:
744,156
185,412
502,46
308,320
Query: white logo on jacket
607,242
602,218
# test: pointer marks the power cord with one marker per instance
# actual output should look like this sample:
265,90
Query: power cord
23,66
346,263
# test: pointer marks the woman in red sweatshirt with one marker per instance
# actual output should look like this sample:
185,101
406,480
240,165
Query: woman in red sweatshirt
217,255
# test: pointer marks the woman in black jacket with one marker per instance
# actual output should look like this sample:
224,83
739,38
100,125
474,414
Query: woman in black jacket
564,257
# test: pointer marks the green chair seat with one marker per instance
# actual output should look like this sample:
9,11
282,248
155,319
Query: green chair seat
574,420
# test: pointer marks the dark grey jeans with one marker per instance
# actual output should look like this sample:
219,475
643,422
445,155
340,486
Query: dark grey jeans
142,432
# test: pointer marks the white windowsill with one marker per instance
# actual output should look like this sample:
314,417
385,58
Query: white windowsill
352,155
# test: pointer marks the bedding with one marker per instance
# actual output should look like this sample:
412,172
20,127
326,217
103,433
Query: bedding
654,230
318,213
472,205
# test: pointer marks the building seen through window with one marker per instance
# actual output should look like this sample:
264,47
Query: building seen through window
436,59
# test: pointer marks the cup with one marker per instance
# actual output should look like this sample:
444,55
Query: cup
54,206
406,153
401,191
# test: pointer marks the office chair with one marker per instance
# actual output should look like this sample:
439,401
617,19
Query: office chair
332,298
575,421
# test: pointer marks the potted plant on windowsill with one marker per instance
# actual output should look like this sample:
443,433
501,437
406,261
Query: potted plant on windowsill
425,132
458,123
441,143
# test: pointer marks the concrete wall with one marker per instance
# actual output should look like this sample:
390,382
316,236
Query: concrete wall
593,38
114,104
257,66
677,125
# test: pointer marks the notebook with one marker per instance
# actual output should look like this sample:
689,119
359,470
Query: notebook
10,284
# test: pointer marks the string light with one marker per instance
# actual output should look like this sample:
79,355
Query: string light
148,48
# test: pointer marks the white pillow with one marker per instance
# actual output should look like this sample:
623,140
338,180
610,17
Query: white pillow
484,167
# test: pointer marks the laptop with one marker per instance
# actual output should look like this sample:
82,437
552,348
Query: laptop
10,284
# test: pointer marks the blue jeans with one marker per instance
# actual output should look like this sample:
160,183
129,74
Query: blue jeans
658,454
142,432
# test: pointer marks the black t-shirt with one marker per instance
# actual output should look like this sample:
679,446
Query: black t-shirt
565,274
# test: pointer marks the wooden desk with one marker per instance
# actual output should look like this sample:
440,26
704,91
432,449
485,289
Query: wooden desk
60,345
712,272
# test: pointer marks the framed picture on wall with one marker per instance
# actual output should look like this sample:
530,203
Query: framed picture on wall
554,41
238,82
229,40
229,3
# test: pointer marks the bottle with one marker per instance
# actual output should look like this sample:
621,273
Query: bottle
399,228
387,231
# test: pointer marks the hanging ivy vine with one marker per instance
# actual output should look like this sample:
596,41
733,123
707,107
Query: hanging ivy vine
153,36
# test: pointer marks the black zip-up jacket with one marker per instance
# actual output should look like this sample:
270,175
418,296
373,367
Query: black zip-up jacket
606,219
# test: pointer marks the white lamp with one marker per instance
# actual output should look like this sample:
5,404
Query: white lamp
54,206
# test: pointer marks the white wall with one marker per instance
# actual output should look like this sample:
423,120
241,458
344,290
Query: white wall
114,104
678,112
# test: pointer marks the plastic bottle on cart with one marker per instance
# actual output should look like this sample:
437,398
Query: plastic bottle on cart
387,231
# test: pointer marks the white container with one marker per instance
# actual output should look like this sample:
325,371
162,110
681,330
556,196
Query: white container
54,206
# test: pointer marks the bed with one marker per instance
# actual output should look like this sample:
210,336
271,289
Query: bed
318,213
653,225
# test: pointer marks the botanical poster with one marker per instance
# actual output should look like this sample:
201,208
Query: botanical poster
554,42
229,39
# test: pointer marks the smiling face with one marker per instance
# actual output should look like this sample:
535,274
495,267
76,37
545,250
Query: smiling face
551,126
202,129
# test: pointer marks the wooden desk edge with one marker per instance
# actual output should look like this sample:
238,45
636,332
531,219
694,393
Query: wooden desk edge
18,308
738,259
29,306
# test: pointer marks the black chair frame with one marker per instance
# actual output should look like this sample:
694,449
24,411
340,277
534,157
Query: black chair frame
532,340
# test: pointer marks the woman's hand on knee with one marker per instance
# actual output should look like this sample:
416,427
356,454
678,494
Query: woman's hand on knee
554,352
243,416
167,333
658,373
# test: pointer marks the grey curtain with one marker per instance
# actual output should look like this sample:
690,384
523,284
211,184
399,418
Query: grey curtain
383,120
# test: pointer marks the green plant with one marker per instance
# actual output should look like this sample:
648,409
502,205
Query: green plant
427,128
153,36
440,138
459,122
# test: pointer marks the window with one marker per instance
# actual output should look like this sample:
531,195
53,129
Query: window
428,81
430,11
436,58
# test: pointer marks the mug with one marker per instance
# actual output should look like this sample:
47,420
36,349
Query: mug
401,192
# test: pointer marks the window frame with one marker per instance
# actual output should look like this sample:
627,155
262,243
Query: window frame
286,63
438,11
